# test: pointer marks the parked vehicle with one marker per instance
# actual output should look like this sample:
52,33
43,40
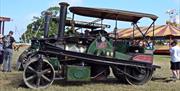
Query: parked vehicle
89,55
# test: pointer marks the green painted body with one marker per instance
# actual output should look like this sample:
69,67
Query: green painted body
77,73
108,50
54,62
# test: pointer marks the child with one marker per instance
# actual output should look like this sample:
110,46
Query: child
1,50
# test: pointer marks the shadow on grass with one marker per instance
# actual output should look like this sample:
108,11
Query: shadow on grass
158,79
64,83
163,79
17,83
79,83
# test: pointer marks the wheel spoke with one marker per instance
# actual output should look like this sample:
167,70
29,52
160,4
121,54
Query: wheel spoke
45,71
47,79
30,77
32,69
38,82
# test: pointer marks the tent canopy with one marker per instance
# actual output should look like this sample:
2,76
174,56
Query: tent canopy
159,31
2,23
165,30
4,18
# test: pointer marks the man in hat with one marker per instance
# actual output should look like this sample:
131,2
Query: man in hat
8,42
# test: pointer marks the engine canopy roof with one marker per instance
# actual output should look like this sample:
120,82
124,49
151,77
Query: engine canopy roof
112,14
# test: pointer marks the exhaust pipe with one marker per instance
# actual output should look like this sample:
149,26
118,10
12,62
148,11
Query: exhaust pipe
46,24
62,19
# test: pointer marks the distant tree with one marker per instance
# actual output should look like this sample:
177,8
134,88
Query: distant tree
35,28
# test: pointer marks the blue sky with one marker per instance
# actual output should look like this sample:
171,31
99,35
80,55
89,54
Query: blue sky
22,11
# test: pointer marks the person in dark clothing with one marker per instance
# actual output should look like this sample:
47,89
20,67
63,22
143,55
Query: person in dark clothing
8,42
1,51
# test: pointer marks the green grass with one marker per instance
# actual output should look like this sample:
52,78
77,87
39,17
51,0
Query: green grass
11,81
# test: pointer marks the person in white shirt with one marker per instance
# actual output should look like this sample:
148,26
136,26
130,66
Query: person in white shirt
175,59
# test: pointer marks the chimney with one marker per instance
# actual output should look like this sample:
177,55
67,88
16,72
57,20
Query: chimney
62,19
46,24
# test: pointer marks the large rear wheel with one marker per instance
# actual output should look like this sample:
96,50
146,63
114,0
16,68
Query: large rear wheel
117,71
138,75
38,73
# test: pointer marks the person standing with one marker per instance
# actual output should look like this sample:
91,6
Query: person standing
1,51
175,59
8,42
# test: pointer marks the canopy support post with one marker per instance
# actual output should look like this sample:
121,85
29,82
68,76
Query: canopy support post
115,33
144,34
72,24
152,24
139,30
153,32
0,27
133,29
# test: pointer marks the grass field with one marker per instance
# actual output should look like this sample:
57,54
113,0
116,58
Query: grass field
159,82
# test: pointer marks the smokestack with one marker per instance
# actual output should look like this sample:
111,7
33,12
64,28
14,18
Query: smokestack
62,19
46,24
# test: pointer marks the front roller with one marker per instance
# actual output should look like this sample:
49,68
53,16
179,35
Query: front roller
133,75
38,73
